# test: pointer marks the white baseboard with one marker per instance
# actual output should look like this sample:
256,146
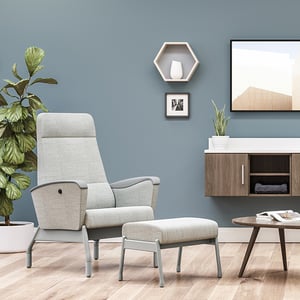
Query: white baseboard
265,235
242,235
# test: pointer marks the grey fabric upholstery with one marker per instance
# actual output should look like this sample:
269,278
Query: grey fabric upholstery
168,231
107,217
73,193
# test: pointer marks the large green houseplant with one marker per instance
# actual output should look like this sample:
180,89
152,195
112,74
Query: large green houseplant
18,111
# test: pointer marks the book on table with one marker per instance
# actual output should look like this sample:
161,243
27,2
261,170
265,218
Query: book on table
287,215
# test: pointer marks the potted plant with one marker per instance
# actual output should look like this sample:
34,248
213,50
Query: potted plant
220,139
18,139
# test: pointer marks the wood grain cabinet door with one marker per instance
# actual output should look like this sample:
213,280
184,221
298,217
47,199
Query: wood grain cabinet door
295,174
226,174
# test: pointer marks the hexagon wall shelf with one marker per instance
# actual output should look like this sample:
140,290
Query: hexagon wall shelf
179,51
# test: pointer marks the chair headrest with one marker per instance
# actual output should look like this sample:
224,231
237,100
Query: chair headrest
65,125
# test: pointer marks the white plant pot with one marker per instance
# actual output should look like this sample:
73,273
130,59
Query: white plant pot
220,142
16,238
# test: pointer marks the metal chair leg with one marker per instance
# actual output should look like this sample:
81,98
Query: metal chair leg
88,260
122,260
155,260
29,250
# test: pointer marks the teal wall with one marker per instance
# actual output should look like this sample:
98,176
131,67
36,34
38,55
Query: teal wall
102,51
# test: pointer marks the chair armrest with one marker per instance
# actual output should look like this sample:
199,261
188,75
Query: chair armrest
137,191
60,204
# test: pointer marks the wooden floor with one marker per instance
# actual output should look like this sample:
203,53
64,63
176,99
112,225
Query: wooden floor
58,273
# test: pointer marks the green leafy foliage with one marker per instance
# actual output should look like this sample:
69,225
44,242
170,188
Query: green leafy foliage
221,121
18,129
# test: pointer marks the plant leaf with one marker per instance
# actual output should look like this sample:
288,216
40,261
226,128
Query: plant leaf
3,112
9,83
4,90
25,113
33,58
17,126
30,162
22,181
15,72
44,80
14,113
12,153
29,125
38,68
36,103
12,191
220,122
6,206
26,142
19,86
3,180
8,170
2,100
32,112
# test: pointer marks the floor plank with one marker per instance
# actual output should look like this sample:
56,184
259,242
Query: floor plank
58,273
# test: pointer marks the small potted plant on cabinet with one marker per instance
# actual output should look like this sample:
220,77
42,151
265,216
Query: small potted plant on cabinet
17,142
220,139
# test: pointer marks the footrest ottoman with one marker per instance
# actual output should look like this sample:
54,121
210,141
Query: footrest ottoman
155,235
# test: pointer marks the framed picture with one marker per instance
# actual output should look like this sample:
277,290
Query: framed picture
177,105
265,75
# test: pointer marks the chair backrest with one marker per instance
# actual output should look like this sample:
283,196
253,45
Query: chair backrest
67,149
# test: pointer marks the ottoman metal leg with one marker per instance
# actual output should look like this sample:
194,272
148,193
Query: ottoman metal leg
143,246
159,263
179,259
218,258
96,249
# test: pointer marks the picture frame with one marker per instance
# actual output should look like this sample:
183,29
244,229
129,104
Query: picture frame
177,105
264,75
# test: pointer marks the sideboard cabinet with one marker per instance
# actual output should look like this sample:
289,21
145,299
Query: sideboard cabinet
235,172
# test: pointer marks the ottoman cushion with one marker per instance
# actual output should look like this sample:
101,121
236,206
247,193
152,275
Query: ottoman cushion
169,231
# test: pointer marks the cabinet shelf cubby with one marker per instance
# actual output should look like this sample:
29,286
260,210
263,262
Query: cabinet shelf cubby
270,170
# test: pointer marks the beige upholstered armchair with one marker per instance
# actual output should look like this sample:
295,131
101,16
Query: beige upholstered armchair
73,200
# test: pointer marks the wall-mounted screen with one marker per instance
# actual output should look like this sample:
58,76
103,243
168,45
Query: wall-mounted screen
265,75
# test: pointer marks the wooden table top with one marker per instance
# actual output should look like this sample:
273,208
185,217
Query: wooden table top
254,222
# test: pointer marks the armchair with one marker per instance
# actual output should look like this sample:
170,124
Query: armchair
73,200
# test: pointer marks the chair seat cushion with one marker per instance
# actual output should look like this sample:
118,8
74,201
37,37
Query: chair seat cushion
117,216
169,231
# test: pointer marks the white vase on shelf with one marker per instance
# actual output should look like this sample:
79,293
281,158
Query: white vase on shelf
176,71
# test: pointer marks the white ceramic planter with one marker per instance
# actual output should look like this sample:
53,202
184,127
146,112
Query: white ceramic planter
220,142
16,238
